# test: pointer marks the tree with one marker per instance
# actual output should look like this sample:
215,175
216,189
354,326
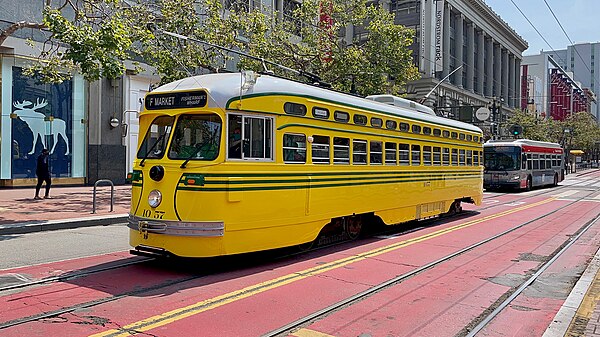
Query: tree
546,130
96,37
584,131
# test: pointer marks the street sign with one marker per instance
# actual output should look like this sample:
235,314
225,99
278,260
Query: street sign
482,113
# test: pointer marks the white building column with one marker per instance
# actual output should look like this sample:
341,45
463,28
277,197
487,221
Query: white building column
505,71
497,77
446,41
480,62
489,70
470,56
518,80
512,95
458,44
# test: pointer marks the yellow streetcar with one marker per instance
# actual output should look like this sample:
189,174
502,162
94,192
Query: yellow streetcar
238,162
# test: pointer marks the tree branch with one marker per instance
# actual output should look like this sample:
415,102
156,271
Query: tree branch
16,26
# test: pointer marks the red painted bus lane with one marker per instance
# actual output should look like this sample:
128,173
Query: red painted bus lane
442,301
262,298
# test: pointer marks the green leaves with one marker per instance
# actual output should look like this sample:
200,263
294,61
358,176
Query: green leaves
96,37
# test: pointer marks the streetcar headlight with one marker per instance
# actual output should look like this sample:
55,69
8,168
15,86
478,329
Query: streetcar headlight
154,198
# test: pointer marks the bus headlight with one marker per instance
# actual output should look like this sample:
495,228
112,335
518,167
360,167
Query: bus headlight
516,177
154,198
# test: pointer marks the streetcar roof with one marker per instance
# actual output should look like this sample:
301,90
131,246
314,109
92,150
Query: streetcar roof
225,87
521,142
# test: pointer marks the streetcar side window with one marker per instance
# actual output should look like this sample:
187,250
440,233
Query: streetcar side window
294,148
416,128
476,139
446,156
360,119
404,154
427,155
461,157
469,158
475,158
257,138
294,109
320,150
341,116
392,125
376,122
404,127
415,155
426,130
461,136
375,153
341,150
359,151
454,157
437,132
469,138
437,156
446,134
390,153
320,113
454,135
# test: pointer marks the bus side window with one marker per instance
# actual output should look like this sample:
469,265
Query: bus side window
529,162
523,161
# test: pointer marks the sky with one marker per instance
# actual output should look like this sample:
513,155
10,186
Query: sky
579,18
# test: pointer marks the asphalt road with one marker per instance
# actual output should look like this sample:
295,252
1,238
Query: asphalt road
42,247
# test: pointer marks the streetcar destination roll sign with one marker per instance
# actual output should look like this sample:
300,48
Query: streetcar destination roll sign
176,100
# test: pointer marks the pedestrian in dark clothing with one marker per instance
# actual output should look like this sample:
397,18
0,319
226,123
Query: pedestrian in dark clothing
42,172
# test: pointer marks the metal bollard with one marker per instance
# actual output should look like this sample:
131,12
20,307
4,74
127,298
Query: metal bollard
112,194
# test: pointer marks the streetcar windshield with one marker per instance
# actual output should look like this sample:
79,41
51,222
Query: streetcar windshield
196,137
155,141
506,158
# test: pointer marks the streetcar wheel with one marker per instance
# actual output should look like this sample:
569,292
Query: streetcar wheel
305,247
455,208
353,227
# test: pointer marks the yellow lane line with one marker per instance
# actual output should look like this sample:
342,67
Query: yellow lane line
215,302
309,333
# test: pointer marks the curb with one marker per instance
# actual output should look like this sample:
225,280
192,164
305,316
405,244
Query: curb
50,225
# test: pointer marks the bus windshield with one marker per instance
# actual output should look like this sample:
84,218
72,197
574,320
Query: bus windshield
196,137
502,158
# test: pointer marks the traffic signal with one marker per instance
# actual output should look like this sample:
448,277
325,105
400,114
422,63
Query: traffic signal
494,128
516,130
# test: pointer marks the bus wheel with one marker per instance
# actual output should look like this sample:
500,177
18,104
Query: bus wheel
529,184
353,226
555,180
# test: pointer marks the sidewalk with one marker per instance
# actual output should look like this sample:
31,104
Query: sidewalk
70,207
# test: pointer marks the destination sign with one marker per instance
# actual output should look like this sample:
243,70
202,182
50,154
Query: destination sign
176,100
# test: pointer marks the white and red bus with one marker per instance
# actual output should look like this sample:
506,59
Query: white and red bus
522,164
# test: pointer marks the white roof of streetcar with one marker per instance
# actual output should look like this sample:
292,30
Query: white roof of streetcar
224,87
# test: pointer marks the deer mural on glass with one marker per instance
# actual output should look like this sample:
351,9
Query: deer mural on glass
37,123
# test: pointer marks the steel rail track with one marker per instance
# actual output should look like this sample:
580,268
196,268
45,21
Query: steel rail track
485,321
72,275
355,298
306,320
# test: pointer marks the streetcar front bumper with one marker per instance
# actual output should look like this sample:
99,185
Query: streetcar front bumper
176,228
